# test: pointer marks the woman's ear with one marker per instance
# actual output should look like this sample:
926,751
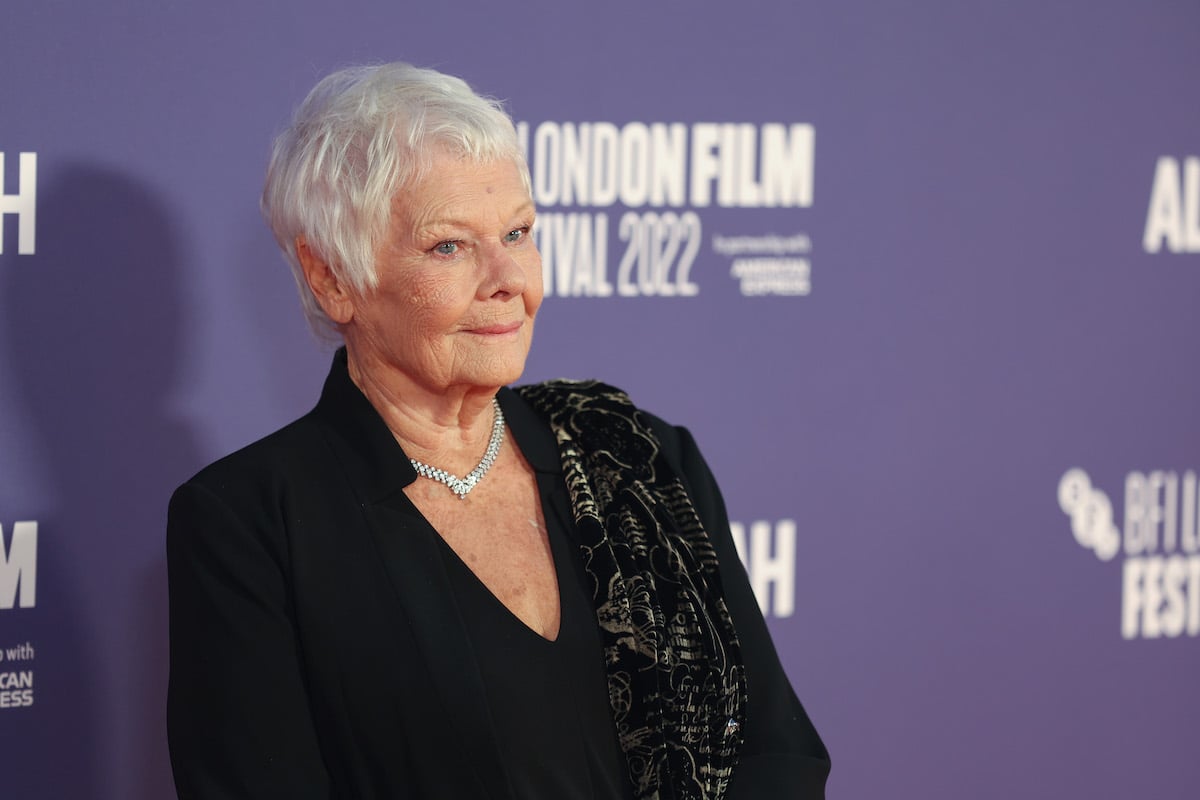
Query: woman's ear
325,285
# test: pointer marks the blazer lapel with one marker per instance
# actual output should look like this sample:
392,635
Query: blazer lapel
378,470
418,574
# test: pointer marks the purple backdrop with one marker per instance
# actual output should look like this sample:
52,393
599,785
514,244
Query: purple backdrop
923,279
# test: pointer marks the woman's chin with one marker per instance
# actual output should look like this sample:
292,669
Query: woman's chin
495,374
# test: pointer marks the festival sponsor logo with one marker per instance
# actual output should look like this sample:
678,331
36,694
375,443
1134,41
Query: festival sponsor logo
16,676
768,550
1173,217
18,590
22,203
768,264
623,208
1159,543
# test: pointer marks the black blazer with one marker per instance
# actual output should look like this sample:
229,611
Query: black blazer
316,650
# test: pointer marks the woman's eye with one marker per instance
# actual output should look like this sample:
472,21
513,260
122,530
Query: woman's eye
446,248
516,234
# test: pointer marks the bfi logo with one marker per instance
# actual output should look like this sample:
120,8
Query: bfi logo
769,553
23,203
18,567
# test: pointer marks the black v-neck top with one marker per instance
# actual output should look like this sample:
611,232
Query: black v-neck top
318,649
548,700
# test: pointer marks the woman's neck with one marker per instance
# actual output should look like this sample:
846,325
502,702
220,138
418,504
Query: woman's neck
446,427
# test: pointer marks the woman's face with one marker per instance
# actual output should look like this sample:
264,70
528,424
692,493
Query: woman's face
460,281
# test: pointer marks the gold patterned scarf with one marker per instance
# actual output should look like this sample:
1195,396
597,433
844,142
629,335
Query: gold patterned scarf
676,682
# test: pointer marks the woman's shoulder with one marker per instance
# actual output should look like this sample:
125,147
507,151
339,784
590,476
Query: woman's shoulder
578,394
265,459
561,398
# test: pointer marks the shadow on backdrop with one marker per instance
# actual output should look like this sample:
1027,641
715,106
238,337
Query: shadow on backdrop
94,325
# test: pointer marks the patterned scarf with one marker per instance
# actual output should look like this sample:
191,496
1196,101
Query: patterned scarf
676,682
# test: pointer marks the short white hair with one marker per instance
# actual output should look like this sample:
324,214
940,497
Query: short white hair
357,141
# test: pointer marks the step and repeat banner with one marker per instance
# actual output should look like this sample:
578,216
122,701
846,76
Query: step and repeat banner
923,279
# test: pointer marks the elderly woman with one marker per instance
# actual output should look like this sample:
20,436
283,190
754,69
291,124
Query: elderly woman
350,619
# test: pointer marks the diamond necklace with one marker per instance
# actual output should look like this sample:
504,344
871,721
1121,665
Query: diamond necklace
465,485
